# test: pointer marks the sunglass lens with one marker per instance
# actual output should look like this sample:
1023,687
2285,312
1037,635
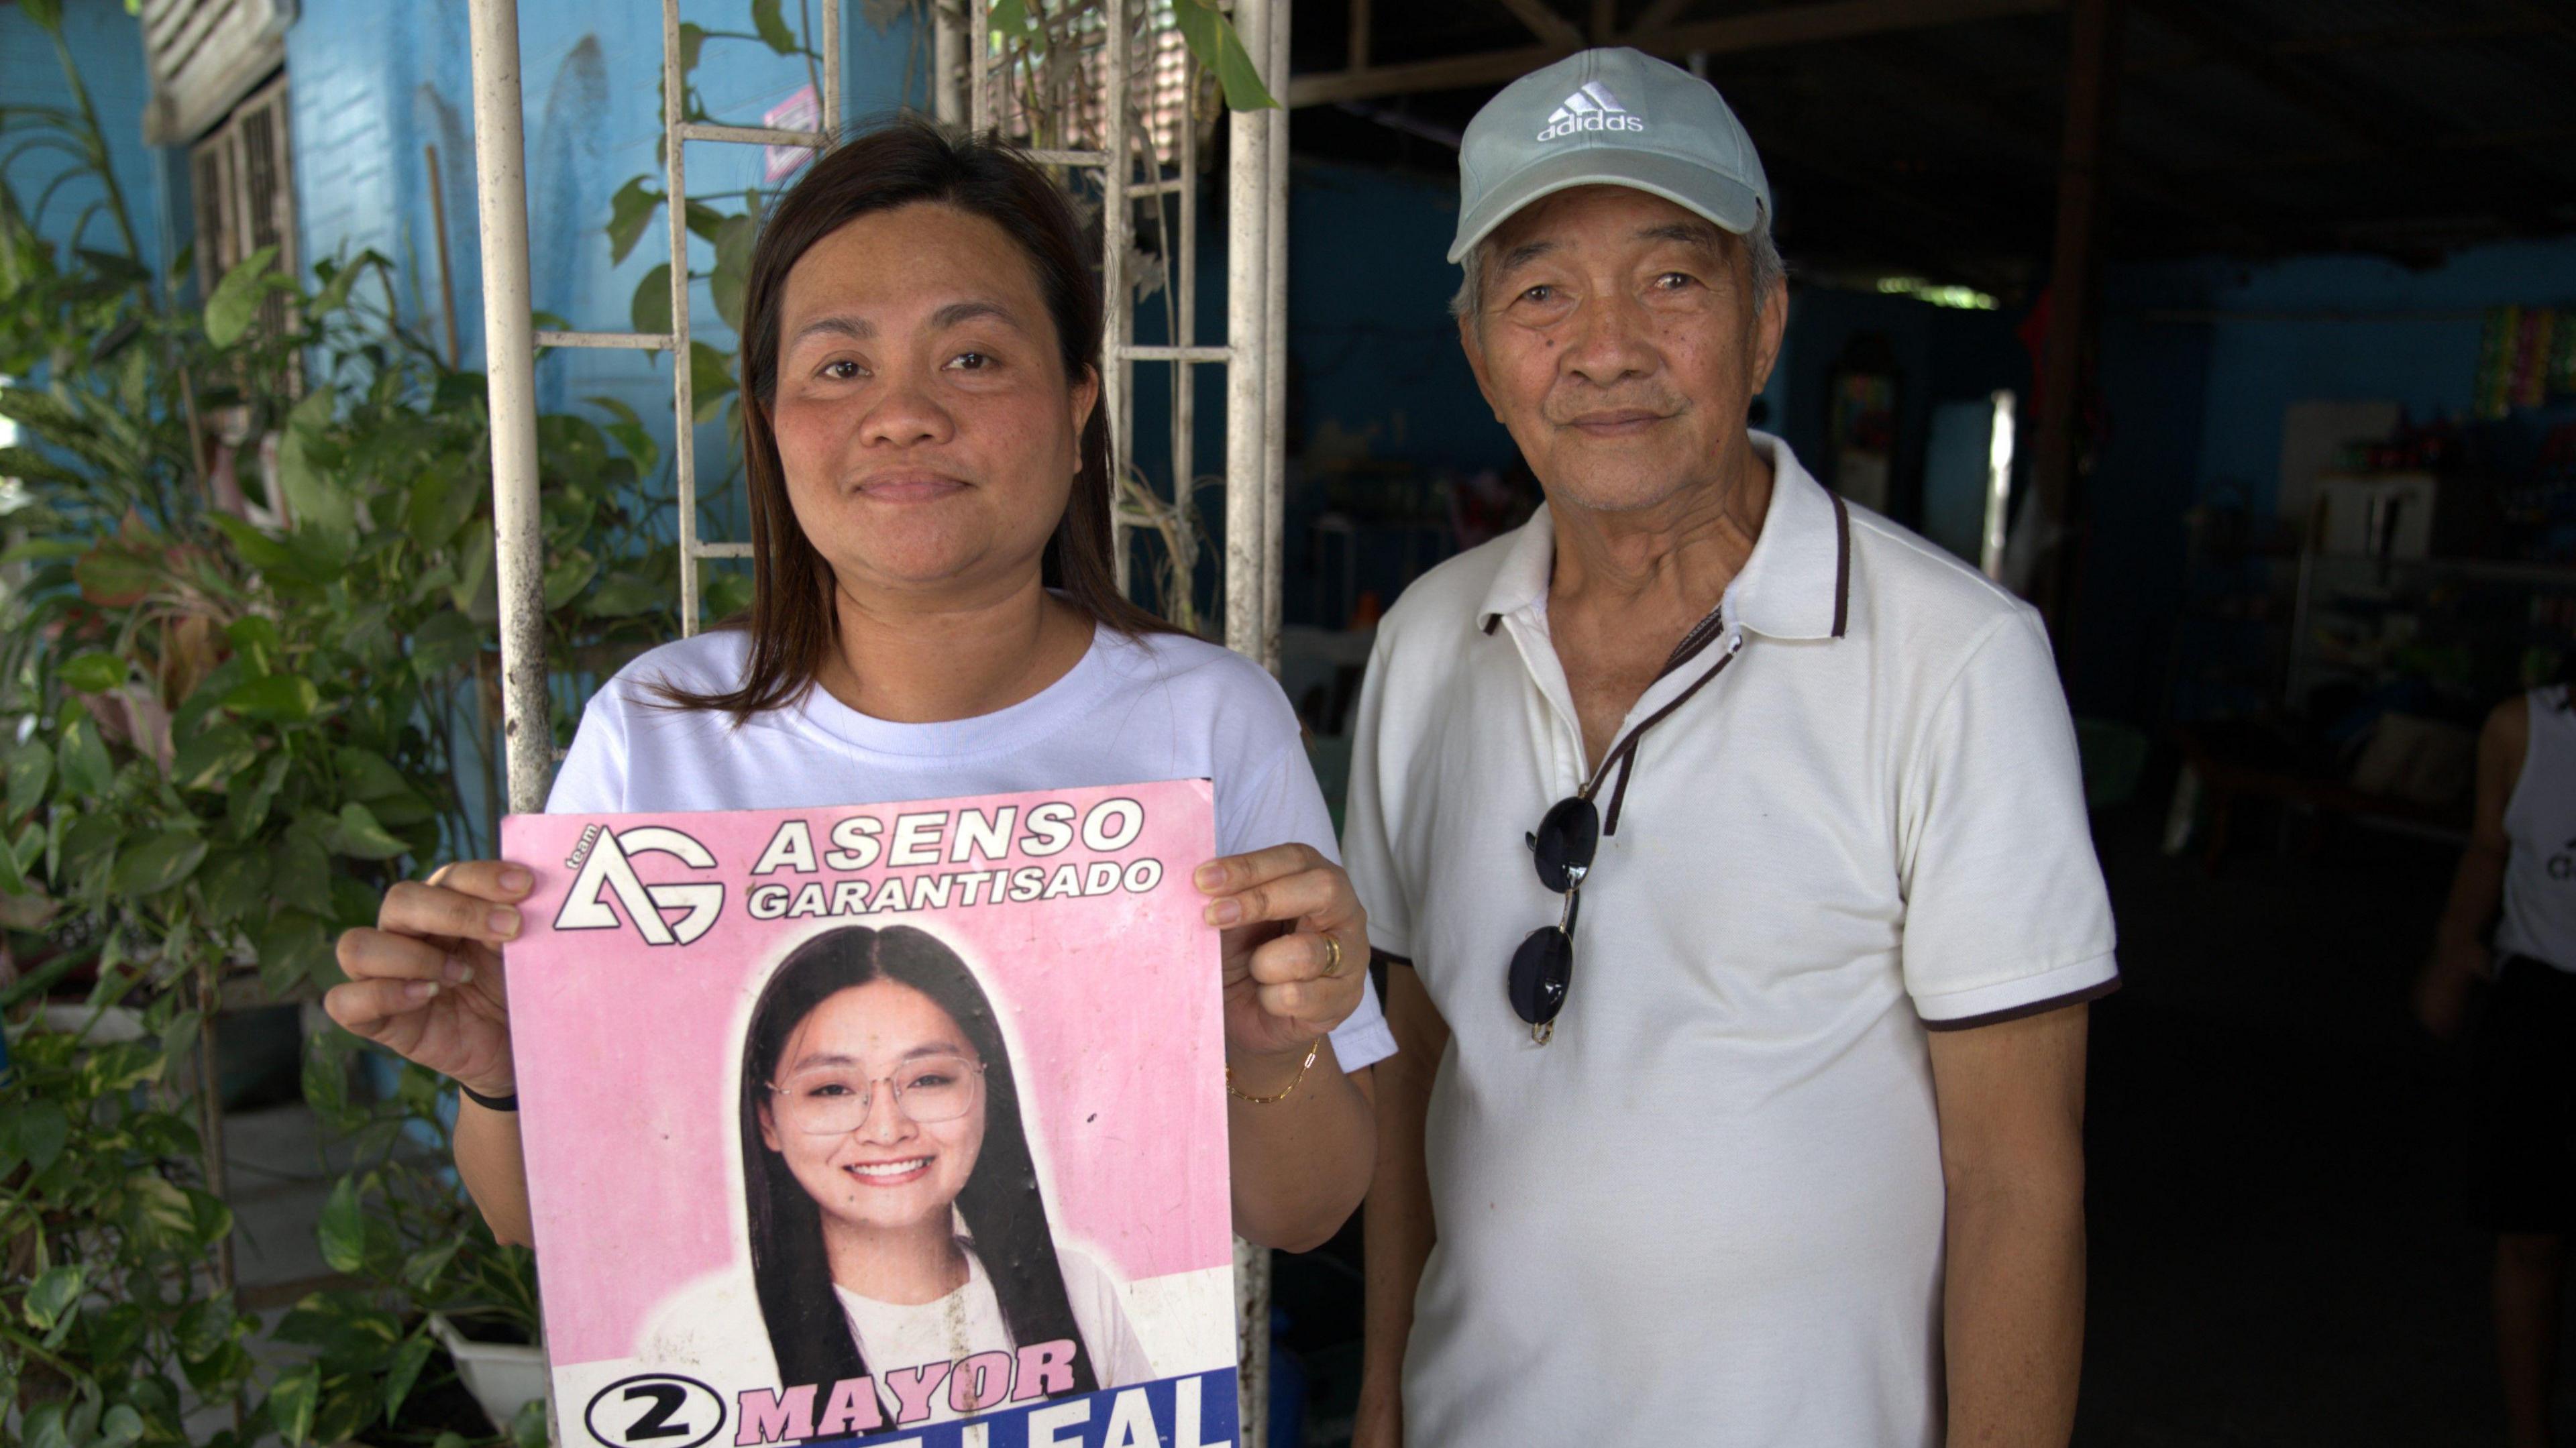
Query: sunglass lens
1564,844
1541,970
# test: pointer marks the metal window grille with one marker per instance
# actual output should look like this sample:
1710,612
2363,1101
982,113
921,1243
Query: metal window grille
245,198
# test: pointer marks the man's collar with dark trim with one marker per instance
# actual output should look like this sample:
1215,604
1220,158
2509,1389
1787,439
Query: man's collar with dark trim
1795,585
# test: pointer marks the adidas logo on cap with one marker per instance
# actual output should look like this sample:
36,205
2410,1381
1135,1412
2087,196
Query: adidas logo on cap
1592,108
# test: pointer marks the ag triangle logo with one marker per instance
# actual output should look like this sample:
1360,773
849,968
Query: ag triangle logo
1590,108
606,864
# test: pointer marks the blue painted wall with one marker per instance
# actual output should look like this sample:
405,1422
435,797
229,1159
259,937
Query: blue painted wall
2198,361
107,46
2258,366
1371,341
2154,383
370,95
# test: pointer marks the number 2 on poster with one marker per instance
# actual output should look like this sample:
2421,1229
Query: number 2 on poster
655,1410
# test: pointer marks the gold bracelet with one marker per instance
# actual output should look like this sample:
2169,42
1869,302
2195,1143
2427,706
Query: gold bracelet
1312,1052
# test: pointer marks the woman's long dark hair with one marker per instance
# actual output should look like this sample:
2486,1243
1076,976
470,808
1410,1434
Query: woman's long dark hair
793,618
808,1332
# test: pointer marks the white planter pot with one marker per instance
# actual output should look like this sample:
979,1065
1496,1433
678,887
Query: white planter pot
503,1377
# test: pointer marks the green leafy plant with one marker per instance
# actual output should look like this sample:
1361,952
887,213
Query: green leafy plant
106,1314
410,1245
245,606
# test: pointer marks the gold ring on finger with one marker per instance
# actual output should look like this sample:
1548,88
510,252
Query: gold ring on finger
1332,957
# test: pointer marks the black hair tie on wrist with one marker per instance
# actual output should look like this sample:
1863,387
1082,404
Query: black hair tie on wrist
490,1103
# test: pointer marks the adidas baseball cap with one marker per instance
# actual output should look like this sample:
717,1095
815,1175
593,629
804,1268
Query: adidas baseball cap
1611,117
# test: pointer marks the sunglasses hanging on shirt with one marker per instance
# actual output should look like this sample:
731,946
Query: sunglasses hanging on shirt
1569,835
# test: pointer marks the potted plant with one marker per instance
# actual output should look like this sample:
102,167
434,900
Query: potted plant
437,1331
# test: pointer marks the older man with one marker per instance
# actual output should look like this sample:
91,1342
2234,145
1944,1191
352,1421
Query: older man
1730,849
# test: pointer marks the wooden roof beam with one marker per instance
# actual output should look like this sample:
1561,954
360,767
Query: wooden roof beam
1762,30
2526,138
2546,12
2394,126
2226,42
2385,37
1968,109
1546,24
1660,14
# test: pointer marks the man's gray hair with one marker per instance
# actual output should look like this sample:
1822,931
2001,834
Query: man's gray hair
1759,248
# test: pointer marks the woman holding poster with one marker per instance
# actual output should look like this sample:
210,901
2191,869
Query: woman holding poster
935,614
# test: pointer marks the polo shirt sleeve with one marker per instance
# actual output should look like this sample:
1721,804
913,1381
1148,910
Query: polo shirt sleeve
2005,910
1368,832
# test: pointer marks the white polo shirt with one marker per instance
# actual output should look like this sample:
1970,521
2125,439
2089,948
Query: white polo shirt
1709,1211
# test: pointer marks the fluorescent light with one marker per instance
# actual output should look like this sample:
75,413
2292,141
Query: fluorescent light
1966,299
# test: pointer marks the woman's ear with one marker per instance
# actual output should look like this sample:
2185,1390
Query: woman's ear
1086,396
769,1130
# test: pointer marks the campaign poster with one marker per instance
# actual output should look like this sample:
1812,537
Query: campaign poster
884,1124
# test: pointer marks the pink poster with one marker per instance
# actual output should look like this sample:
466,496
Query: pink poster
897,1124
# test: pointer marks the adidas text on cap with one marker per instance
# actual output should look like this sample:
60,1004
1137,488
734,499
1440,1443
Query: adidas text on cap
1611,117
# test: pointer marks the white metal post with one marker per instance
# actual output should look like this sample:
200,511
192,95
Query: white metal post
684,393
501,203
1249,445
1274,350
979,62
1118,312
829,123
948,63
1246,322
1181,258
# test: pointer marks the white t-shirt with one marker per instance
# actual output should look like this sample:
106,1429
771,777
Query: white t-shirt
1709,1210
2539,912
1133,711
715,1323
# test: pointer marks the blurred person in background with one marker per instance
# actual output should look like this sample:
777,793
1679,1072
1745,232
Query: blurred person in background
2519,876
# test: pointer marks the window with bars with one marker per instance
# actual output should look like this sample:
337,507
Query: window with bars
245,194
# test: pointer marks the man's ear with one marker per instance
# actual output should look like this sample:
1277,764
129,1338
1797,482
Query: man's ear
1768,331
1471,341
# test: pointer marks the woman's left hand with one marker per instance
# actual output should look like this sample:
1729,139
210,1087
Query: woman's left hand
1296,947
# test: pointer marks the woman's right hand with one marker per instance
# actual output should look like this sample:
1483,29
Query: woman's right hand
426,982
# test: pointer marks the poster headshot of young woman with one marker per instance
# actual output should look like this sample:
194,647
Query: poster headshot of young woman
899,1123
